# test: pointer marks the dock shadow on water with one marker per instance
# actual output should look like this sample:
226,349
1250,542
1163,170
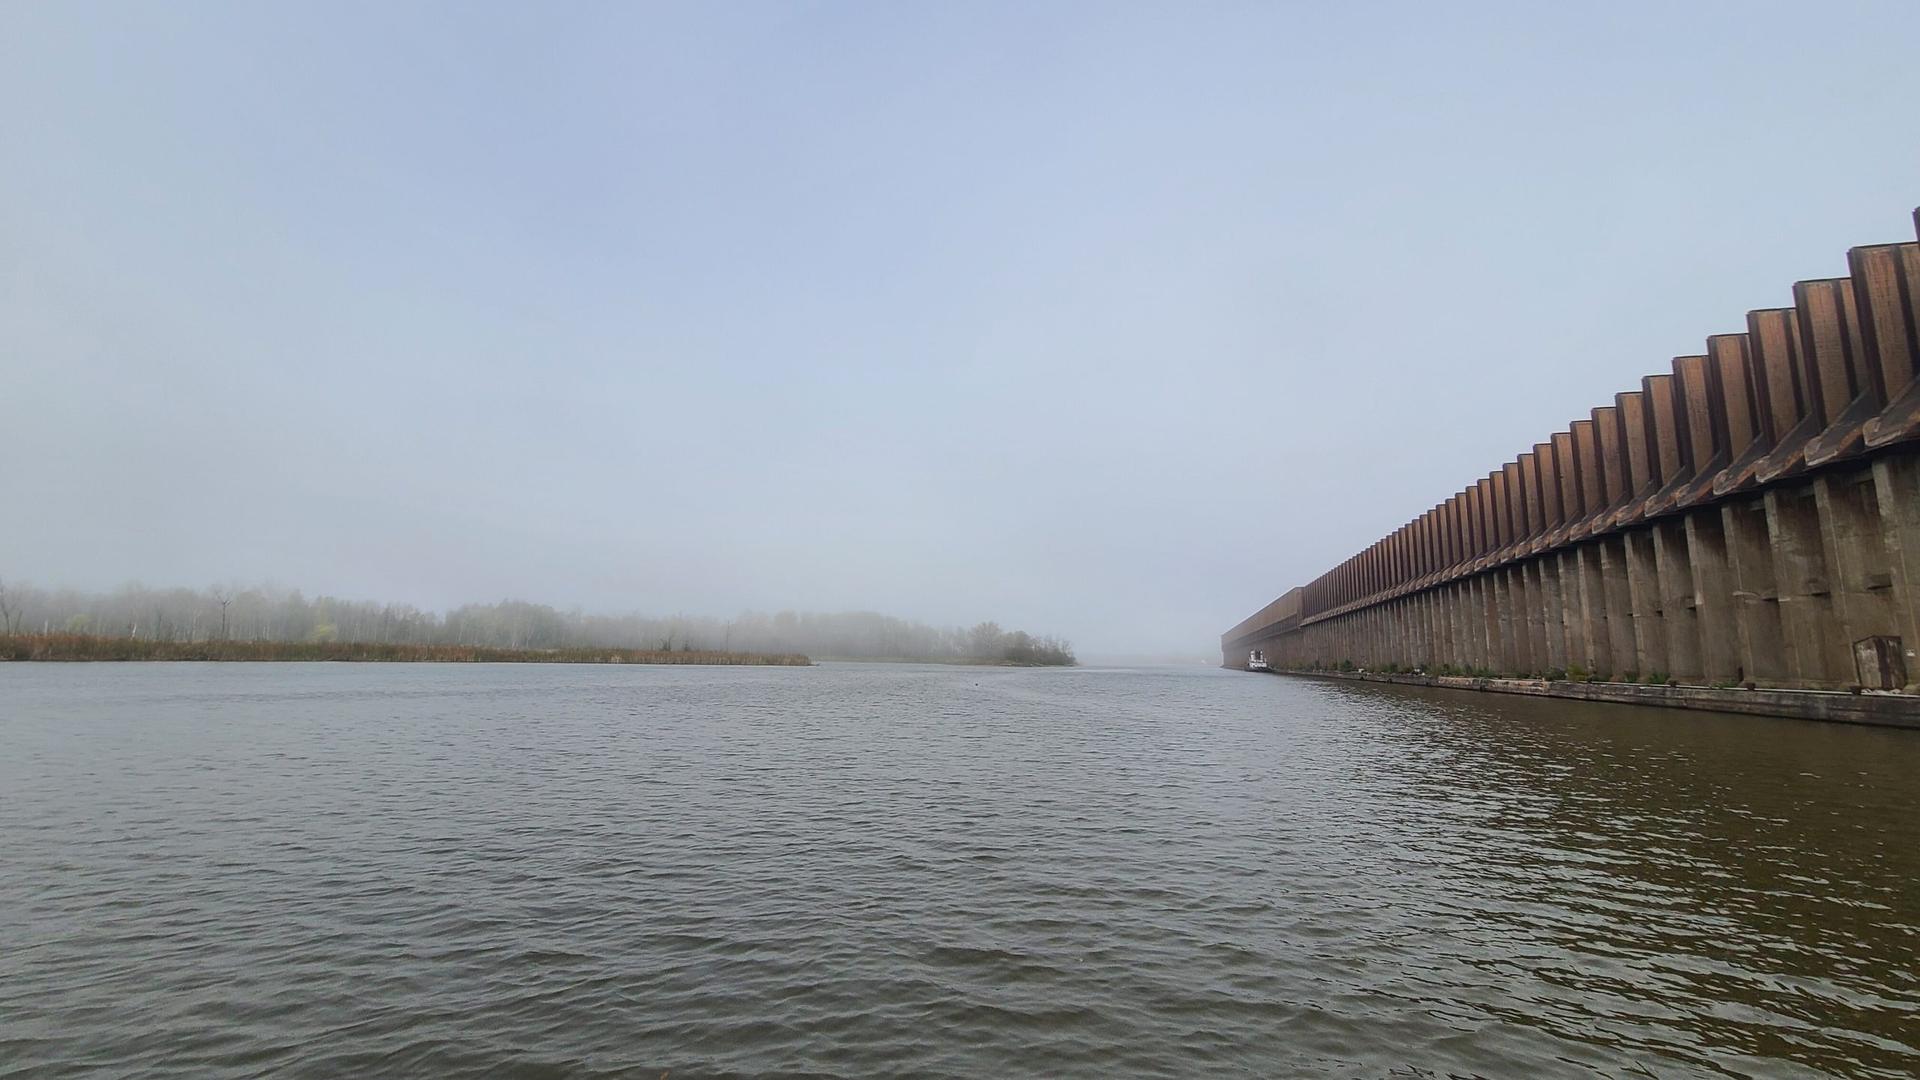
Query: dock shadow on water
343,870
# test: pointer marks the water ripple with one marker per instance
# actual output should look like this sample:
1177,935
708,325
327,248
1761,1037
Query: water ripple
510,871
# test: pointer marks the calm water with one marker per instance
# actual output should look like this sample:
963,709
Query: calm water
441,870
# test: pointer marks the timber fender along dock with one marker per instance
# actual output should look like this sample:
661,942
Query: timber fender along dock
1749,519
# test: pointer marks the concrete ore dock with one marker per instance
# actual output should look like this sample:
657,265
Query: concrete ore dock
1741,533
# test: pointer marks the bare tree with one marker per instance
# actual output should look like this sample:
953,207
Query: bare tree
224,597
8,618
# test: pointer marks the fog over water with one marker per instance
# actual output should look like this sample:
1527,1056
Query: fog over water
1106,321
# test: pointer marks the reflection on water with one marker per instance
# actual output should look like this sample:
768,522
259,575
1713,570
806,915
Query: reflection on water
337,870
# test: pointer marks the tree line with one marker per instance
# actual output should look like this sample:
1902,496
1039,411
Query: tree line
267,613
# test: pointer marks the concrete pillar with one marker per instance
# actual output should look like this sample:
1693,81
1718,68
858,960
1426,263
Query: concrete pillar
1552,610
1457,619
1448,595
1390,631
1403,652
1643,585
1513,620
1475,622
1490,622
1861,571
1714,609
1756,599
1526,617
1437,622
1418,644
1896,482
1413,642
1595,631
1499,622
1416,640
1573,609
1423,629
1537,621
1674,567
1619,603
1410,647
1457,624
1815,639
1477,610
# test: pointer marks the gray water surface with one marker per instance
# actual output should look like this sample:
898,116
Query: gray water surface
548,871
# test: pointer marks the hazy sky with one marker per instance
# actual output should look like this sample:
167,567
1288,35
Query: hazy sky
1105,320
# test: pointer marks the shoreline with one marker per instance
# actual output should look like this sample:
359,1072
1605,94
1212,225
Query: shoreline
85,649
943,661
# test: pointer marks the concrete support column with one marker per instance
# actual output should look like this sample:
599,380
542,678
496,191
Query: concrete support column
1416,647
1553,618
1756,600
1413,642
1416,640
1469,625
1593,605
1463,615
1573,608
1429,647
1675,570
1396,637
1643,586
1896,483
1416,632
1490,621
1507,657
1520,592
1536,616
1617,595
1862,573
1816,645
1714,609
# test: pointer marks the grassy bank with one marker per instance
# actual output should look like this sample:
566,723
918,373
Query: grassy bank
83,647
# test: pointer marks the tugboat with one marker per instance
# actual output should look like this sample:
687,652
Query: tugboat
1257,661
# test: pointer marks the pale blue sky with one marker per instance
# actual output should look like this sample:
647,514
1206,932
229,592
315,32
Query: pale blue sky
1105,320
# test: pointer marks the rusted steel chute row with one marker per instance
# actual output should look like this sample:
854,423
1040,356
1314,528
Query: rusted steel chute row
1749,516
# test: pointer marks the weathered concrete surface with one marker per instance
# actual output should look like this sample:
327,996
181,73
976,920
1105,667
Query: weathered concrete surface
1751,516
1879,709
